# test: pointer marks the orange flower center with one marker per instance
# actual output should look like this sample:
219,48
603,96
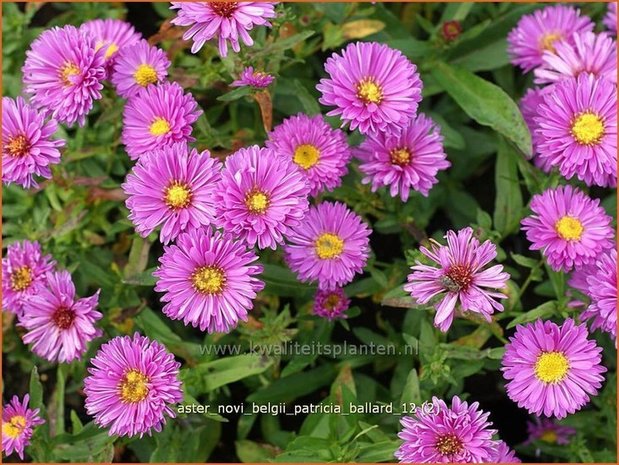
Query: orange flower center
17,146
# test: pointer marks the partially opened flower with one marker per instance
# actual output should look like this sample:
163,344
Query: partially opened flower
59,325
158,116
569,228
63,73
227,22
552,370
441,434
18,423
403,161
610,20
23,269
251,78
372,86
331,304
321,153
132,385
548,431
460,276
602,290
138,66
112,36
503,454
28,149
330,246
172,187
208,280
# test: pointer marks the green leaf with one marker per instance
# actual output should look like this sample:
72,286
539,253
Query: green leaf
295,386
36,389
543,311
508,204
253,452
411,391
235,94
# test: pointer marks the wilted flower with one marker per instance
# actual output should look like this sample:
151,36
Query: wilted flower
18,423
331,304
549,431
138,66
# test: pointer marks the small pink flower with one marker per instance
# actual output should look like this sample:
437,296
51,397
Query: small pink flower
18,423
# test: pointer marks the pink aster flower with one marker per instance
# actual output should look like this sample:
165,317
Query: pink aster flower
503,454
584,52
208,280
321,153
224,21
460,434
59,325
156,117
577,129
251,78
529,105
111,36
137,66
405,160
373,87
63,73
550,369
331,304
539,31
570,228
261,197
610,20
460,277
18,423
602,290
549,431
23,269
131,386
173,187
330,246
28,149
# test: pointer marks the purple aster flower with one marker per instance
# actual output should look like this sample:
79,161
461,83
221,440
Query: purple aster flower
208,280
577,129
373,87
137,66
249,77
321,153
602,290
529,105
610,20
225,21
262,196
28,149
131,386
549,431
63,73
570,228
173,187
111,36
23,269
585,52
330,246
156,117
59,325
550,369
18,423
405,160
460,434
503,454
459,276
331,304
539,31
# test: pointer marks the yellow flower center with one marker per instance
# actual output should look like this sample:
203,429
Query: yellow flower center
306,156
69,69
209,280
159,127
549,436
111,50
569,228
145,75
14,427
548,40
21,278
448,444
551,367
17,146
329,246
133,387
257,202
588,128
401,157
177,195
369,91
332,301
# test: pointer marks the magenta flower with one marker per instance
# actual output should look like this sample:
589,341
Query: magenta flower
18,423
330,246
28,149
158,116
460,277
173,187
577,129
539,31
529,105
131,386
63,73
112,36
224,21
503,454
570,228
460,434
137,66
584,52
251,78
550,369
23,268
262,196
610,20
208,280
405,160
321,153
602,290
373,87
549,431
331,304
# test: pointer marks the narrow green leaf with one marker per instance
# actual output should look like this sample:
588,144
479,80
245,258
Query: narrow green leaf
508,203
